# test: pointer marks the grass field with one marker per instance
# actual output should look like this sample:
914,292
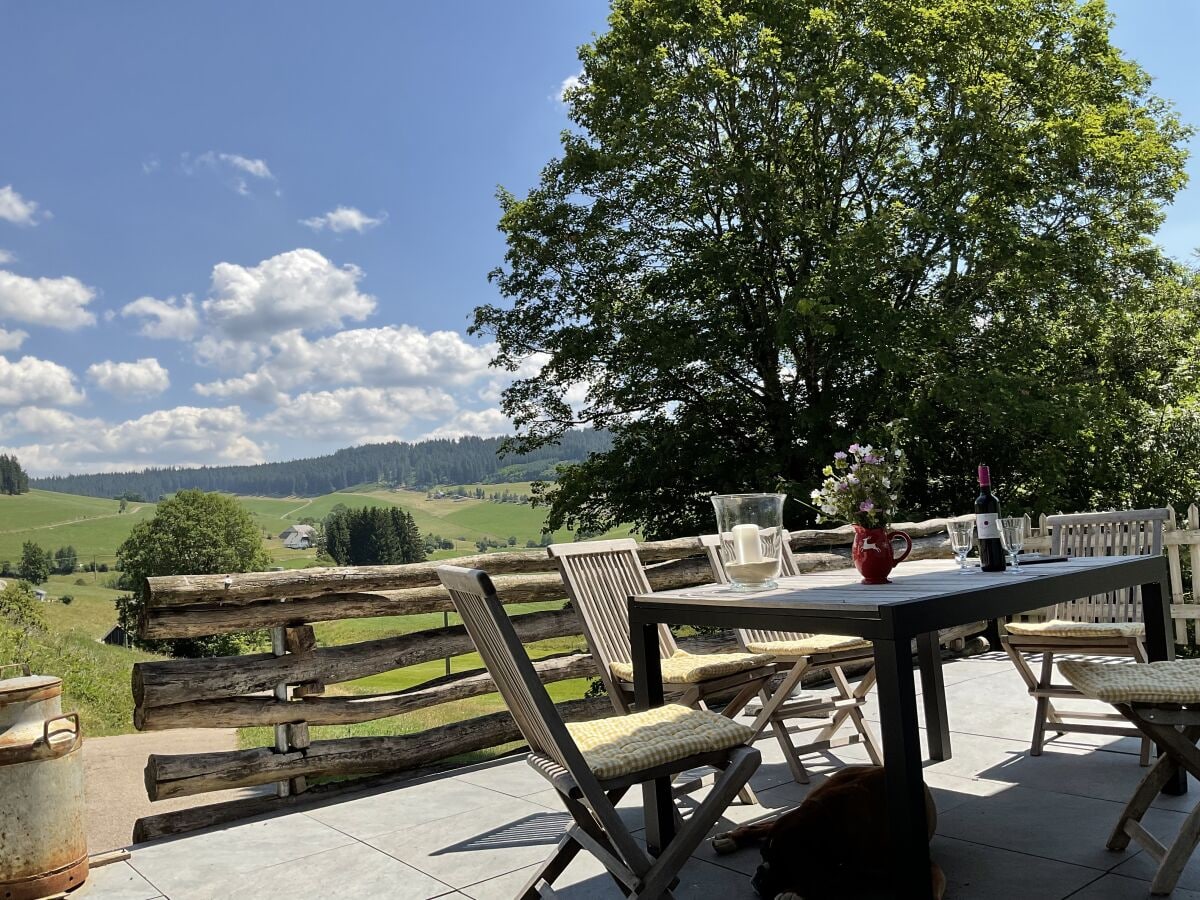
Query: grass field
94,527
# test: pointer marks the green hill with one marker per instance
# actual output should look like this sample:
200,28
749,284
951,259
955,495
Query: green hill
96,527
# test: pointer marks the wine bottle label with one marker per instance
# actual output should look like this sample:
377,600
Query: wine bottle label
986,526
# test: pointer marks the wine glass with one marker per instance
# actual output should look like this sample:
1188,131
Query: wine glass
962,538
1012,536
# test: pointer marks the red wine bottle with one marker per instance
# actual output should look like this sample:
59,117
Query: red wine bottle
987,525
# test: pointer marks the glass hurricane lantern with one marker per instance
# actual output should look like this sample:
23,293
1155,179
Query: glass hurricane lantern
751,529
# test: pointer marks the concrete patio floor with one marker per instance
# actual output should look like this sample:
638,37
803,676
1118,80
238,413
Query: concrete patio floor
1009,825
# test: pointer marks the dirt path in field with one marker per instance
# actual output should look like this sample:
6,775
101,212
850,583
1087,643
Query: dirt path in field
307,502
116,792
128,512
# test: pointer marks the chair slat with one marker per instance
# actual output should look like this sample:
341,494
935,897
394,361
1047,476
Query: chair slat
1125,533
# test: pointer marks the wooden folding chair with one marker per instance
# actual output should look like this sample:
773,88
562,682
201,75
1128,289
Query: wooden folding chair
1162,700
593,764
1104,625
600,576
803,652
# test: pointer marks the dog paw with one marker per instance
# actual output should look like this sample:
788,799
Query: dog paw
723,843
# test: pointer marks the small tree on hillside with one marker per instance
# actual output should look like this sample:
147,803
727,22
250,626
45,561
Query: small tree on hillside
64,560
35,563
192,533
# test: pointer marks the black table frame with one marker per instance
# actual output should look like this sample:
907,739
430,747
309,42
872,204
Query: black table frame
892,626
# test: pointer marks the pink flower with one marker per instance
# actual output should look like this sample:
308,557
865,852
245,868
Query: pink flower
866,506
854,448
872,459
841,454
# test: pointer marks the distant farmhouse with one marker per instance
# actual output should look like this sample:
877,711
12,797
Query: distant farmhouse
299,537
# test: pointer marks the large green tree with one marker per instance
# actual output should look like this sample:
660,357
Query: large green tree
191,533
36,563
780,225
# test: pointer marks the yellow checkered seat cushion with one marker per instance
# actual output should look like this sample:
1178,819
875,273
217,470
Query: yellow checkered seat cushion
1059,628
686,668
807,646
621,745
1177,681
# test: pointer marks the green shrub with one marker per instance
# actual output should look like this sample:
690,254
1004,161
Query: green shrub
66,599
80,581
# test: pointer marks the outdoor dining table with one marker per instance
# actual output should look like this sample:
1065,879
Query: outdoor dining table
923,597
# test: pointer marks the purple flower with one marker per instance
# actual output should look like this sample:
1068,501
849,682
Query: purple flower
842,487
866,506
854,448
841,454
872,459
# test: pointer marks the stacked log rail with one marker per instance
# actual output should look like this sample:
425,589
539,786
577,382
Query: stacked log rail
242,691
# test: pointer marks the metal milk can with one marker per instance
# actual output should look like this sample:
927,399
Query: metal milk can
43,839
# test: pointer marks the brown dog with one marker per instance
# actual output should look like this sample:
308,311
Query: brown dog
833,846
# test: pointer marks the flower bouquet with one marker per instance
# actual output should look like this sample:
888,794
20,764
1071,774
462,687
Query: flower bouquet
862,488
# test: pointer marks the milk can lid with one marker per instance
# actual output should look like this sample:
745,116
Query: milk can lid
29,687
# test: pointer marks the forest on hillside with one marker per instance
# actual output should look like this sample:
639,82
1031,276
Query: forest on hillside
419,466
13,479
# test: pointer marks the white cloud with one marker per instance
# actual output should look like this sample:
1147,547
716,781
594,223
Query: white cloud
6,257
168,319
481,422
569,84
345,218
16,209
393,355
235,167
354,413
255,167
299,289
56,302
144,378
183,435
30,380
11,340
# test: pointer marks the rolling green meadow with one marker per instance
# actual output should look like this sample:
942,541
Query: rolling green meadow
95,527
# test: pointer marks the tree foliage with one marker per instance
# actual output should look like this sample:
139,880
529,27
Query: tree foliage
13,479
192,533
19,609
779,227
371,536
36,563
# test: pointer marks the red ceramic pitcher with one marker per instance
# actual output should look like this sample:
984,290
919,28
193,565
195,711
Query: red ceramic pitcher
874,555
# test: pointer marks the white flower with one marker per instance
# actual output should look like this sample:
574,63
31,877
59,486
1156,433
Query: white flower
816,494
887,482
899,453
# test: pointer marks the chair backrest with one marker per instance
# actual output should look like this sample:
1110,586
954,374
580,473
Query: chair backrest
1136,532
787,566
475,599
600,576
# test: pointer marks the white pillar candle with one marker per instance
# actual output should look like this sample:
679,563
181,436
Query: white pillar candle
746,547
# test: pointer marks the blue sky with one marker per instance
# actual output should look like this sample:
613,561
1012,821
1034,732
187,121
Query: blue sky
232,232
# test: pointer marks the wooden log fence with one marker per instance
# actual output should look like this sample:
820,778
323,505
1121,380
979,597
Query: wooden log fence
286,689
